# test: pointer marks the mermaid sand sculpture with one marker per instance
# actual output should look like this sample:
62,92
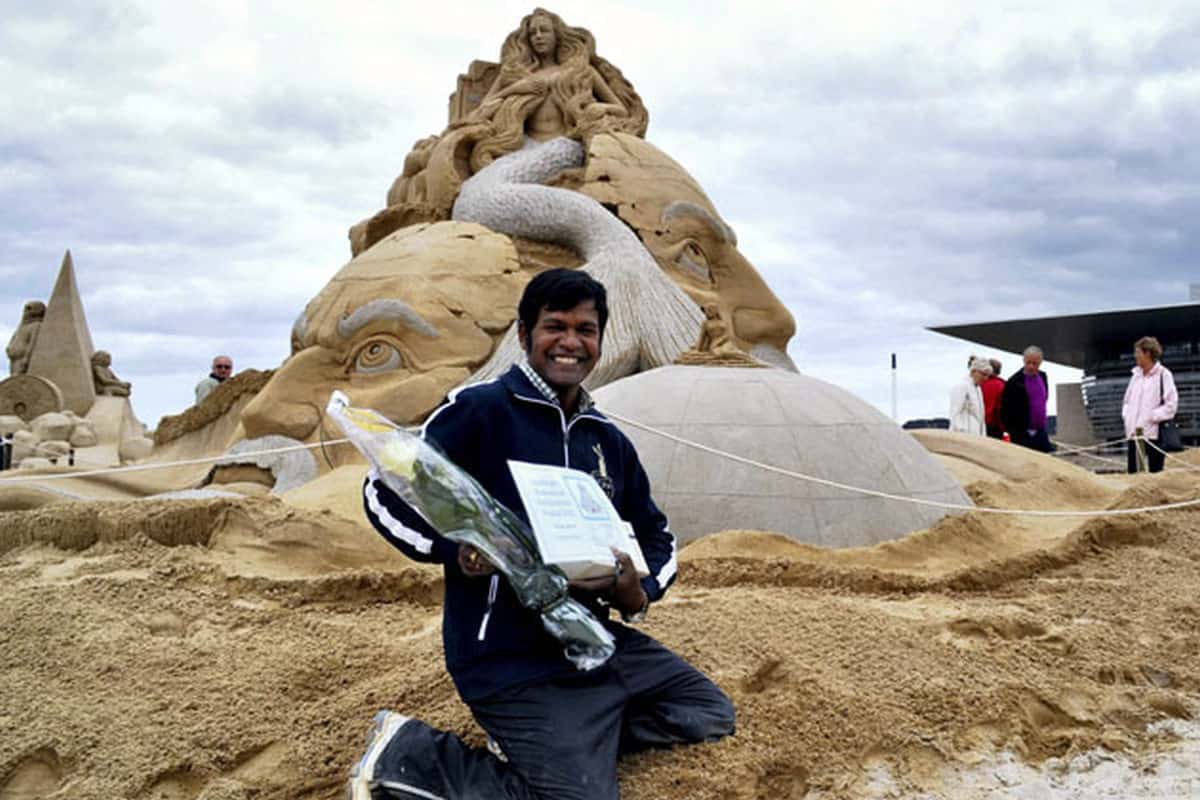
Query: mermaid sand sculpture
484,168
652,320
549,83
471,219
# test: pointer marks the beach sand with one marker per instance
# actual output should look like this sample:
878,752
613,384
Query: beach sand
230,648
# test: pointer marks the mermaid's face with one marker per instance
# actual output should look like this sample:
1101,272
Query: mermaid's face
680,226
395,329
542,37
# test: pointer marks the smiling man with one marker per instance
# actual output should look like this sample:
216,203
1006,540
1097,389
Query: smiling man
559,730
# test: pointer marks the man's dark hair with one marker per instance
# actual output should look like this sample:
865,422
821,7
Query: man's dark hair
561,290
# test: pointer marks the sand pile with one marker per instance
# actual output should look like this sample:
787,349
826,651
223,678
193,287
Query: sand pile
237,648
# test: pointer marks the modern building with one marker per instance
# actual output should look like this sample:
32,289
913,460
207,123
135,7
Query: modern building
1101,344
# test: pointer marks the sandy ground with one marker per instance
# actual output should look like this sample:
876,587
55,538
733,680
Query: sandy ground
222,649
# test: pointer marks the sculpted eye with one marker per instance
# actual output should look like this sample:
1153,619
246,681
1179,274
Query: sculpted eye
692,259
378,356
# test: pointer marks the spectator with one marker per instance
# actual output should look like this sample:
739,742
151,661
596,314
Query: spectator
222,368
966,400
992,388
1150,399
1023,403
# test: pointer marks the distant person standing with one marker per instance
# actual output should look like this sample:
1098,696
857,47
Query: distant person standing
222,368
992,388
966,400
1150,399
1023,403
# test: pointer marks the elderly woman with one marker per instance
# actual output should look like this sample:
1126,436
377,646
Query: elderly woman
1150,399
966,400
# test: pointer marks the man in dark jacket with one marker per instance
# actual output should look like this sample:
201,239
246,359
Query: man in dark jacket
559,730
1023,403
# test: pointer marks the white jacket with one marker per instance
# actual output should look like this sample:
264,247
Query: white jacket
966,408
1149,400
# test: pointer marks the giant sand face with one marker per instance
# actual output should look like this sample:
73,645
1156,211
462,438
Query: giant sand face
396,328
688,237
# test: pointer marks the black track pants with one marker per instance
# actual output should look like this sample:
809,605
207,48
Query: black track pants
562,737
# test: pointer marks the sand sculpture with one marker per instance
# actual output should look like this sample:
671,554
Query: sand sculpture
787,420
689,239
714,334
549,83
63,354
552,110
399,326
429,306
20,346
651,320
714,348
524,96
107,382
63,401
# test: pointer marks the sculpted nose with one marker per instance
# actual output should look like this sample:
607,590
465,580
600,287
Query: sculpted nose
292,401
270,414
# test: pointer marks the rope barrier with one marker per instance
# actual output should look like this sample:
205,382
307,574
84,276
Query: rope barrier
899,498
679,440
167,464
1067,449
1184,465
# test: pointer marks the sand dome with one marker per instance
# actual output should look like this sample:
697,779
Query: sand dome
787,420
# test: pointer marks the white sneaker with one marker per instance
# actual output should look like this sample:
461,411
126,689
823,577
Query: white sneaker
384,726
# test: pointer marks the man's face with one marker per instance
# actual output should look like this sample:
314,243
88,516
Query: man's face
563,346
221,367
1033,363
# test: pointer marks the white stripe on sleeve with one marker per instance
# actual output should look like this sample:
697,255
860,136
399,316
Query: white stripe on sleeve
395,528
665,574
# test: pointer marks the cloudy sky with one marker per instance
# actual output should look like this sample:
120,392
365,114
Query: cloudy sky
887,165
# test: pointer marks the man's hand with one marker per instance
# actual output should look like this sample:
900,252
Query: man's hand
473,563
623,589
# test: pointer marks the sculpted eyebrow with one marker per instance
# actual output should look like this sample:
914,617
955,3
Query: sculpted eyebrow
300,327
385,309
685,209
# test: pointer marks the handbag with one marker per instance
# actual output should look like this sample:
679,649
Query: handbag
1169,439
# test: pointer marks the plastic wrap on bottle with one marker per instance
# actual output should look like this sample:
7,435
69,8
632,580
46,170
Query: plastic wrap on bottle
457,507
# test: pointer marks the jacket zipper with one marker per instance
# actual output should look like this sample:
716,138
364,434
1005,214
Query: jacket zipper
487,615
563,424
566,434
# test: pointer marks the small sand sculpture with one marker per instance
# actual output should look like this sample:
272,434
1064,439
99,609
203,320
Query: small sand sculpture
714,333
107,382
20,346
56,369
714,349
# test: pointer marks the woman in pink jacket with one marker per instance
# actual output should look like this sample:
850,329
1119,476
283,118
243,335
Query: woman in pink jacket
1151,398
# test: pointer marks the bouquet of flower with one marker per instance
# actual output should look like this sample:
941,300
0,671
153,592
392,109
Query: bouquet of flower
460,509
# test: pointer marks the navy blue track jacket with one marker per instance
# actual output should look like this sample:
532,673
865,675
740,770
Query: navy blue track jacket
491,641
